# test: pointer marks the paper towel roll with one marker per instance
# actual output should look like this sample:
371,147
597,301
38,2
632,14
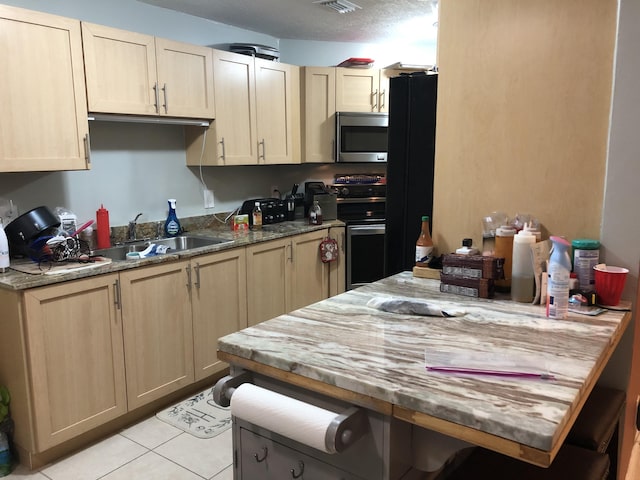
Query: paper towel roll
286,416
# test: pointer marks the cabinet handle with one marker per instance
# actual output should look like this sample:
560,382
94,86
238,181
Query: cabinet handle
265,451
263,150
221,142
166,103
87,148
382,98
116,294
188,269
293,470
197,269
291,252
342,242
374,96
157,95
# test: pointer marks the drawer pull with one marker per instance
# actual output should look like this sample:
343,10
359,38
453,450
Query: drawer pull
293,470
265,451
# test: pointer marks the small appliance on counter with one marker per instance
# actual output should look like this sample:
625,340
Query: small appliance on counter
326,198
274,210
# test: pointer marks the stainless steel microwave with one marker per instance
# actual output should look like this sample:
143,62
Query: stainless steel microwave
361,137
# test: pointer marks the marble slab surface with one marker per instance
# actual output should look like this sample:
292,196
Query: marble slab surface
343,342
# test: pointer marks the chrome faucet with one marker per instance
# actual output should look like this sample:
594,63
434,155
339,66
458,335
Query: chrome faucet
131,233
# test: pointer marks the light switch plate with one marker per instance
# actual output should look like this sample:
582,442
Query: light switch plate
208,198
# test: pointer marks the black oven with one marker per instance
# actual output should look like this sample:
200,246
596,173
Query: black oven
361,205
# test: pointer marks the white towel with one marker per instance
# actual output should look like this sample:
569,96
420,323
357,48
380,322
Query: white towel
411,306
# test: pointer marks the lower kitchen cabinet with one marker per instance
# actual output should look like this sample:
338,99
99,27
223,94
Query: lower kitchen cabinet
285,274
75,357
219,301
158,334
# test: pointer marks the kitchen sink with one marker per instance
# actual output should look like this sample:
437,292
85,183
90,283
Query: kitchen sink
175,244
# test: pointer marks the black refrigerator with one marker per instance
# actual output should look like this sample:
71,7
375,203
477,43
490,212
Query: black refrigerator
410,162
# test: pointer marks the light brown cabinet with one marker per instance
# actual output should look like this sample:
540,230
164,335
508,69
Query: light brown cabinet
75,356
361,90
257,114
285,274
133,73
43,118
158,333
319,100
219,301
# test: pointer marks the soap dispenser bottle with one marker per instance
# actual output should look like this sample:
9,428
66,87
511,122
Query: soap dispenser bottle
172,225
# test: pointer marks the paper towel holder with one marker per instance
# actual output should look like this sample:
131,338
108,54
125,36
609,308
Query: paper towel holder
225,387
343,431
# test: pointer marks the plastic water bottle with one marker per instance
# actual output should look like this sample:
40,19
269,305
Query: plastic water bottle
4,250
172,226
558,279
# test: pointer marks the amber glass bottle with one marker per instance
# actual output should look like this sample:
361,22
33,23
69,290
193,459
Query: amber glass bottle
424,245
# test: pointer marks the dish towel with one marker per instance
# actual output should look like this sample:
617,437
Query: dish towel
411,306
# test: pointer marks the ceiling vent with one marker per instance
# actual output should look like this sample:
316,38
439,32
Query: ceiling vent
340,6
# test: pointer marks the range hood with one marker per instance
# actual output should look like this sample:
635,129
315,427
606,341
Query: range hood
106,117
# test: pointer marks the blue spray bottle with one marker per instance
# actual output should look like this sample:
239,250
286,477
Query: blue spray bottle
172,226
558,280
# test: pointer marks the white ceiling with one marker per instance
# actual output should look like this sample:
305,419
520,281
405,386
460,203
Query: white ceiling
377,21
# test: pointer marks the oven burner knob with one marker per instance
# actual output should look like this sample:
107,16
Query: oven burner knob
344,191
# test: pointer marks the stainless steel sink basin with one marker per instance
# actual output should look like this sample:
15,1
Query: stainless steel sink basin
175,244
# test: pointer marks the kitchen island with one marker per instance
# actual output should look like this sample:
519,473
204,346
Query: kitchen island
342,349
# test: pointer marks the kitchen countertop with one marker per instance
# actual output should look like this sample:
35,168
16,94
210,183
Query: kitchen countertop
15,280
344,348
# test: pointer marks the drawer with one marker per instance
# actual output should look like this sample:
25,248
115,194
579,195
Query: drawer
266,459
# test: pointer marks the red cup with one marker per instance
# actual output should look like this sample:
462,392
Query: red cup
609,283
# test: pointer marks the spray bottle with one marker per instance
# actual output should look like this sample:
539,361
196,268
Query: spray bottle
558,279
172,225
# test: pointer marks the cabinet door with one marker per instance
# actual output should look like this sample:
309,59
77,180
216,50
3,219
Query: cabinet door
310,278
74,343
185,79
319,114
337,278
274,111
43,119
357,90
158,335
219,299
235,124
121,70
268,280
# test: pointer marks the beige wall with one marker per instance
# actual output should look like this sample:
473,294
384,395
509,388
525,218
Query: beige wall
523,114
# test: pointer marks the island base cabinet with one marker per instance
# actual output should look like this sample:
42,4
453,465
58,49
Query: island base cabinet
74,344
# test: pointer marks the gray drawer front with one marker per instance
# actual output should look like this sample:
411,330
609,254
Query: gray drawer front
262,458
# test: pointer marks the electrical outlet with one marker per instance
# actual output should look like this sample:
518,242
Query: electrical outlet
275,191
208,199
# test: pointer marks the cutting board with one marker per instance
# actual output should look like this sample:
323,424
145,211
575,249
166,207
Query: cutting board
59,267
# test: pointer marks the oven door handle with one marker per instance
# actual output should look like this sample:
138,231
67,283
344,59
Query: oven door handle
366,229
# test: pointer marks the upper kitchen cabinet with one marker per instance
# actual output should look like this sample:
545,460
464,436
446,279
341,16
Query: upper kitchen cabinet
319,97
257,114
43,124
361,90
136,74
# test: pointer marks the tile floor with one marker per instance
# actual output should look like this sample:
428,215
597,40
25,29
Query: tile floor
149,450
154,450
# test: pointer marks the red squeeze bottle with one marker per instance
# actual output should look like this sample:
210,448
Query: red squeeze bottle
104,232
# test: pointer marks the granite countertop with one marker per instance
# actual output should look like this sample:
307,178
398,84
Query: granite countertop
15,280
343,342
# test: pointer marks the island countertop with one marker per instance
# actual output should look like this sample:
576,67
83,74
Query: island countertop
344,348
